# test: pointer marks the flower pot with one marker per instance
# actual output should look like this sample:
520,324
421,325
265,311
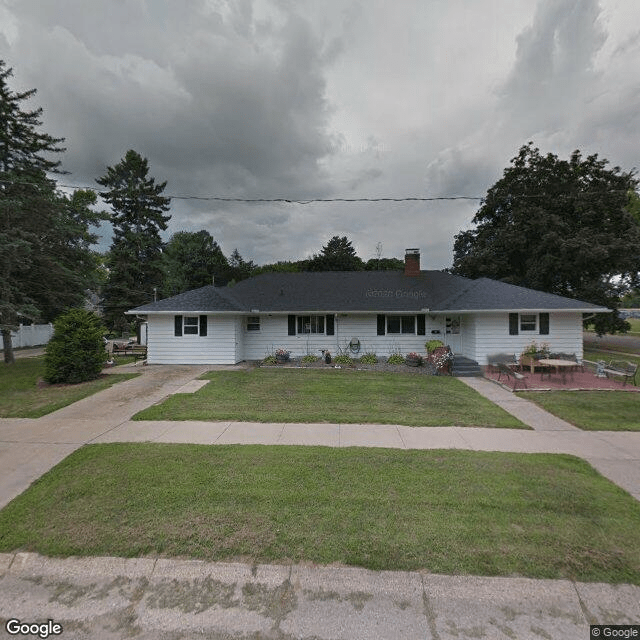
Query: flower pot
282,359
413,362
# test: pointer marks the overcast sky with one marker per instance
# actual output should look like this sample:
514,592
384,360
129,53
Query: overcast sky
328,98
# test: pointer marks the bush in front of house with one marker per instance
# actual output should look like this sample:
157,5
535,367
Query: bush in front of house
395,358
344,359
310,357
369,358
76,350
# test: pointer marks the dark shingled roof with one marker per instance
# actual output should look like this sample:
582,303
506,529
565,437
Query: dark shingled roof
384,291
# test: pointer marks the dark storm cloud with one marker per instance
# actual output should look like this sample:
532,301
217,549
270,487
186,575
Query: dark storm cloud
351,98
219,103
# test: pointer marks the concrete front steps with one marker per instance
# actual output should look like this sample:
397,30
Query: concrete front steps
465,367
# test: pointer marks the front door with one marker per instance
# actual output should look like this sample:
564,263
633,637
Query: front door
453,338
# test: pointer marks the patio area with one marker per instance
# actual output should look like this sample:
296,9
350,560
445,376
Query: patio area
575,380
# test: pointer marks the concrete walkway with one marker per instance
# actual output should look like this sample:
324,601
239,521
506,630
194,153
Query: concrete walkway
156,598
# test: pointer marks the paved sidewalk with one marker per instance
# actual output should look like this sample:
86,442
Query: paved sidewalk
112,598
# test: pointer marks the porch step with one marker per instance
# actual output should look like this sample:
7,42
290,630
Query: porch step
465,367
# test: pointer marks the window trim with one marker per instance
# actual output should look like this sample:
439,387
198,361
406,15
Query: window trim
315,321
191,325
528,322
253,321
383,324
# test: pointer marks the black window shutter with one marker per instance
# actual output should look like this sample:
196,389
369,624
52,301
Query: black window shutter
421,325
381,324
544,324
513,324
330,325
203,325
292,325
177,325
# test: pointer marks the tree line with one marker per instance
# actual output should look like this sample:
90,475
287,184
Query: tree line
570,227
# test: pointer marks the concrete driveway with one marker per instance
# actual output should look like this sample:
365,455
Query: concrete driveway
30,447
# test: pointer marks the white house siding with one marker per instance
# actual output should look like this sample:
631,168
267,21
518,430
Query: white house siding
239,338
492,335
362,327
217,347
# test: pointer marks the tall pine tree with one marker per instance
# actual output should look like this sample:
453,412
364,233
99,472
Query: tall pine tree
45,257
135,256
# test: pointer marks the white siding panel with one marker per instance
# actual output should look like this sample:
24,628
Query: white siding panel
363,327
492,335
217,347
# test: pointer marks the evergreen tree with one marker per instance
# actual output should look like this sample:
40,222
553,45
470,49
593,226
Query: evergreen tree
192,260
239,268
45,261
337,255
135,256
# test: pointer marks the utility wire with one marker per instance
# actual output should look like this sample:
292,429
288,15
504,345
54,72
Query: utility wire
314,200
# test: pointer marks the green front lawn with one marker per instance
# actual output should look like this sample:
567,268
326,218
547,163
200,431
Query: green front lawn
591,410
453,512
336,396
23,395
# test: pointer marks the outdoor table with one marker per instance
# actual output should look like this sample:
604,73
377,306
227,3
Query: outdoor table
559,365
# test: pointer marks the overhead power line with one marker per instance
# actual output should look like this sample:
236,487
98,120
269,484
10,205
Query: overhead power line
314,200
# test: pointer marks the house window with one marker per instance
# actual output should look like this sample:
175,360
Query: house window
401,324
310,324
253,323
528,321
190,326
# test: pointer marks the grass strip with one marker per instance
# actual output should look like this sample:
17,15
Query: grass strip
452,512
336,396
591,410
23,396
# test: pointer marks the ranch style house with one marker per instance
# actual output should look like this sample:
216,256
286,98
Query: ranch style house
358,312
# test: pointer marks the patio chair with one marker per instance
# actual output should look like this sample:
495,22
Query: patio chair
508,359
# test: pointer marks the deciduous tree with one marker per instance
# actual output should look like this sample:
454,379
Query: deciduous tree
561,226
192,260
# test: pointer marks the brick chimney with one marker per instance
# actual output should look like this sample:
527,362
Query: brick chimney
412,262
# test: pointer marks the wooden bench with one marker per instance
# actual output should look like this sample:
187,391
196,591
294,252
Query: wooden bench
627,370
510,373
138,351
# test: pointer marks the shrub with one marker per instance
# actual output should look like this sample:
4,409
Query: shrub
395,358
432,345
369,358
414,356
310,357
343,358
76,350
271,359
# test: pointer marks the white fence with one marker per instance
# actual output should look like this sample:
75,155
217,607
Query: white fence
31,335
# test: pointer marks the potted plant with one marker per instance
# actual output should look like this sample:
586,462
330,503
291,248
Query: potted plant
532,353
442,359
282,356
413,359
432,345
